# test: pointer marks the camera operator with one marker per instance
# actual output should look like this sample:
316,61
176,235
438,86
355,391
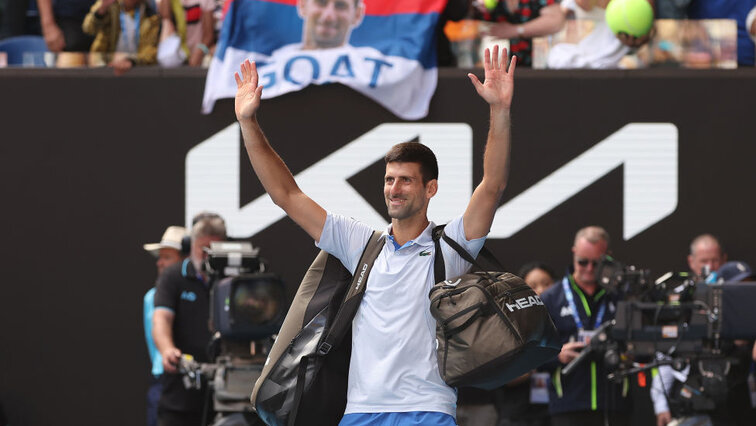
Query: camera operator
181,323
578,306
737,403
706,256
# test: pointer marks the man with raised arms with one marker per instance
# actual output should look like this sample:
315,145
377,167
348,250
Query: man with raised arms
393,373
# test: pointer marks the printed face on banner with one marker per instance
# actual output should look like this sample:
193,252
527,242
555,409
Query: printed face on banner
296,43
328,23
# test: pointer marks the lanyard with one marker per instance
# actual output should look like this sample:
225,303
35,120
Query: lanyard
122,18
573,308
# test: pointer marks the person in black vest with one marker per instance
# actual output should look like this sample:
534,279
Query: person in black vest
181,324
61,22
578,306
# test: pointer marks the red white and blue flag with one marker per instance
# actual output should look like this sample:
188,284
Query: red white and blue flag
388,54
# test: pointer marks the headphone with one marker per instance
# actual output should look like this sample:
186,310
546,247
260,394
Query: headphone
186,245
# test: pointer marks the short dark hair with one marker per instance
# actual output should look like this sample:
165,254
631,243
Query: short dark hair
526,268
415,152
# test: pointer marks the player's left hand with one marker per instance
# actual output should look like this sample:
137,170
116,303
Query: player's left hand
498,87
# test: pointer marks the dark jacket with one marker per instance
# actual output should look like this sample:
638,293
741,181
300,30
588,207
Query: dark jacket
584,389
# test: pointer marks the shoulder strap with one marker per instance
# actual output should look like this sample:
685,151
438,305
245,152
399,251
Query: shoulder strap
438,234
349,305
439,267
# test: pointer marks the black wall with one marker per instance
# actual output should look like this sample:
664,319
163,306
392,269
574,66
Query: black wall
92,167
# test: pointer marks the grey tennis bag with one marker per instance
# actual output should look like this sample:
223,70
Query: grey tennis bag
304,379
491,327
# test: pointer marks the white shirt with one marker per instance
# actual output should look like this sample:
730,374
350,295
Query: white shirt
127,39
600,49
393,367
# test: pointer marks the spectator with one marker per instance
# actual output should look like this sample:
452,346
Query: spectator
168,252
578,306
735,409
127,29
537,275
520,21
523,401
729,9
455,10
19,17
601,48
706,256
194,22
181,324
671,9
62,24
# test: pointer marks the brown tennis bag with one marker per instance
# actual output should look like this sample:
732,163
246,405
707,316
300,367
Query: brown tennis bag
491,327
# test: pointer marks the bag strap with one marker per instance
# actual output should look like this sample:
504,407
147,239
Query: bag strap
343,318
438,234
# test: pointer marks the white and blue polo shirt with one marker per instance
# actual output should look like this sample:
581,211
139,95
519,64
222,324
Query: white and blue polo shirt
393,367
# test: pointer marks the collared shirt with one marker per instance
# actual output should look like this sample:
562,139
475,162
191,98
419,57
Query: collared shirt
393,367
180,290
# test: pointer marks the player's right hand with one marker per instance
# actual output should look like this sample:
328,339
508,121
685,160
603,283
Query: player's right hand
248,93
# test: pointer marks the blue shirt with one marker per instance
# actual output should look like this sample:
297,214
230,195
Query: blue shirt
149,310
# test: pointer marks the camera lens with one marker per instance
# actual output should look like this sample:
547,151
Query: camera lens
257,302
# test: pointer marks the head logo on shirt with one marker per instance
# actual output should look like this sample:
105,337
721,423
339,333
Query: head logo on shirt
425,253
188,295
565,312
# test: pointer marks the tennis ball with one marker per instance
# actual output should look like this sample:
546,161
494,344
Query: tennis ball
632,17
490,4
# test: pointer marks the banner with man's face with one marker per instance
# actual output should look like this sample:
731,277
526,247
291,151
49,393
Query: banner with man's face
381,48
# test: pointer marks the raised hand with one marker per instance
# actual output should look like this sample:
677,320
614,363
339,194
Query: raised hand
498,87
248,93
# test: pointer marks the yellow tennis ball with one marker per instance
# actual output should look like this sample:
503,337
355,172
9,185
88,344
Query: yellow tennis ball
632,17
490,4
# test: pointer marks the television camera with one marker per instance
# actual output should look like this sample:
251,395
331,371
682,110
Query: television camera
247,308
690,326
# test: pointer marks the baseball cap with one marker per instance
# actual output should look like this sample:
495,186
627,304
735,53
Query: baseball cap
171,239
735,271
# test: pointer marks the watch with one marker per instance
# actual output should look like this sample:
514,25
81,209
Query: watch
520,30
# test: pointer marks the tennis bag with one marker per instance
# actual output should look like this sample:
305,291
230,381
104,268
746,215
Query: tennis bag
304,379
491,327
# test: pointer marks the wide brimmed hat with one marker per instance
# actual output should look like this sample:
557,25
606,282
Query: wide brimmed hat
171,239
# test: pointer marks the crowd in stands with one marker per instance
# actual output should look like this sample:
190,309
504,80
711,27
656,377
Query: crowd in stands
119,33
124,33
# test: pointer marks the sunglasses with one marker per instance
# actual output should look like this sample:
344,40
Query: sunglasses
585,262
